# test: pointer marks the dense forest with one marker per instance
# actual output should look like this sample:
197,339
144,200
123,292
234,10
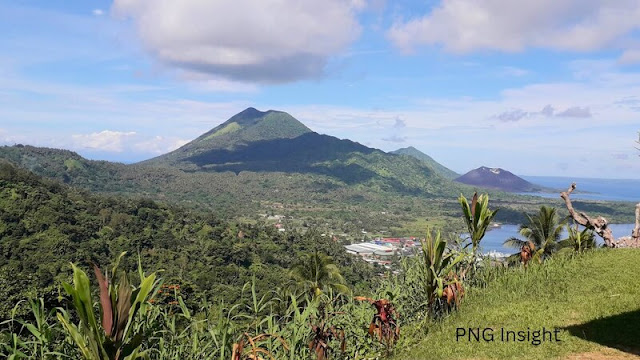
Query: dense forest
44,225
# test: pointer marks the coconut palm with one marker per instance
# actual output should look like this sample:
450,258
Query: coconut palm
316,272
542,234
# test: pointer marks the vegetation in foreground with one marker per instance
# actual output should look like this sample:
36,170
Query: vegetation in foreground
313,313
45,225
593,298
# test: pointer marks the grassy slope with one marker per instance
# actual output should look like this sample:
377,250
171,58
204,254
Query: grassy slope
596,296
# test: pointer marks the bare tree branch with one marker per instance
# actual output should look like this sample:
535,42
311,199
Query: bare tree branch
600,225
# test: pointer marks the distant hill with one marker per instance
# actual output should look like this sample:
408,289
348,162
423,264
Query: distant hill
246,127
496,178
275,142
256,162
439,168
268,162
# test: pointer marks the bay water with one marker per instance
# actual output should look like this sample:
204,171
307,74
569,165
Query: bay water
594,189
493,239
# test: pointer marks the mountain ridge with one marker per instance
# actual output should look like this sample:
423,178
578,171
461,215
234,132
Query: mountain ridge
248,169
439,168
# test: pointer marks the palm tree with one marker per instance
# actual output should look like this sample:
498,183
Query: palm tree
316,271
542,233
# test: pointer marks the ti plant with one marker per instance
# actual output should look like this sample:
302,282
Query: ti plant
254,351
118,336
477,216
437,269
384,324
453,292
527,252
322,335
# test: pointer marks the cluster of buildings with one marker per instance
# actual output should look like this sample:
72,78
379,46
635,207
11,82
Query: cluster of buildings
381,250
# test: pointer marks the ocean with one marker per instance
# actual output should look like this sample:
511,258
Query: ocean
494,238
595,189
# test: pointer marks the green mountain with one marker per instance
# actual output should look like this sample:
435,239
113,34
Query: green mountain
439,168
270,163
274,142
248,126
266,162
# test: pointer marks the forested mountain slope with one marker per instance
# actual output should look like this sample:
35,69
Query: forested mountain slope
44,225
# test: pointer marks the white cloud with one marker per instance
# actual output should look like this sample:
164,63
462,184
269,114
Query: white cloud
631,56
399,124
267,41
159,145
208,83
395,139
512,115
576,112
463,26
106,140
98,12
463,133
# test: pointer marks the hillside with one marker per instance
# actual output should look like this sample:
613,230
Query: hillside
439,168
248,126
248,171
592,299
44,225
261,162
275,142
496,178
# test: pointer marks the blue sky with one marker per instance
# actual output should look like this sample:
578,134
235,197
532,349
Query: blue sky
550,87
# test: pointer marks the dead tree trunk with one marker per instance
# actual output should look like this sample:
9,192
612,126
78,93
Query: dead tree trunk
636,231
600,225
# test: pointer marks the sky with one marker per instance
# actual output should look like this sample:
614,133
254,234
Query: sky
546,87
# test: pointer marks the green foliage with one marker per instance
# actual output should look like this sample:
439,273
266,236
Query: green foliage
578,241
543,230
566,293
315,272
345,187
229,128
477,217
121,333
436,268
45,225
439,168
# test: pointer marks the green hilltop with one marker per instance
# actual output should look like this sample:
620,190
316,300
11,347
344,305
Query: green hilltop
439,168
243,128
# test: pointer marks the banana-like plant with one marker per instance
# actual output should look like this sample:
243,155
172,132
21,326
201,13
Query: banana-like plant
477,217
577,240
436,267
118,336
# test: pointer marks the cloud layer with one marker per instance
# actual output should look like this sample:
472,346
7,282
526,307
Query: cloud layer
547,111
463,26
276,41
